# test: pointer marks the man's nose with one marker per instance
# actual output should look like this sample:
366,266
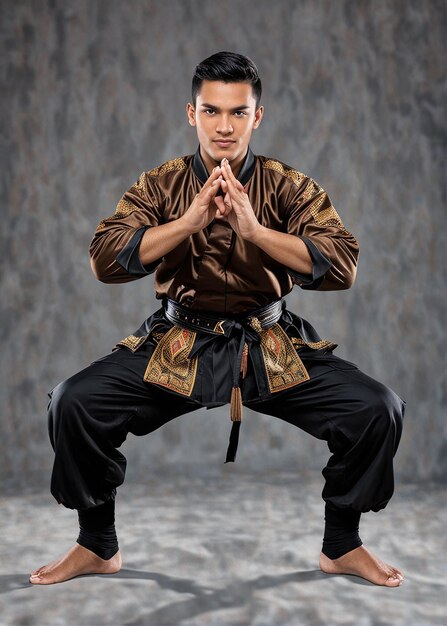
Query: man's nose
224,126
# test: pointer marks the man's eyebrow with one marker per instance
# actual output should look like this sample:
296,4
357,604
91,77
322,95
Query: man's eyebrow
212,106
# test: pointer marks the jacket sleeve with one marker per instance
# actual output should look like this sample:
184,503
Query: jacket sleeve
333,250
114,249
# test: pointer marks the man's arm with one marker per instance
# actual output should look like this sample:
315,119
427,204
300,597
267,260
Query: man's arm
284,248
134,229
318,251
160,240
236,208
137,210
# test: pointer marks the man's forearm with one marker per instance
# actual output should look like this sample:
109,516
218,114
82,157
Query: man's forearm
160,240
287,249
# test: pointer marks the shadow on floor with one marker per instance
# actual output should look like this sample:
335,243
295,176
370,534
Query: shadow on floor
207,600
11,582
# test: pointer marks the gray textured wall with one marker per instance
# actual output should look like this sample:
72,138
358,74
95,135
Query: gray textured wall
95,94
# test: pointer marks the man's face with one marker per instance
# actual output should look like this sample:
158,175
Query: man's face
225,115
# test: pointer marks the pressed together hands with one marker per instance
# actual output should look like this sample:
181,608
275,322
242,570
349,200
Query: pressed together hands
234,207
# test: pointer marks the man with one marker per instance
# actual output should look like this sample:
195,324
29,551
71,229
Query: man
228,234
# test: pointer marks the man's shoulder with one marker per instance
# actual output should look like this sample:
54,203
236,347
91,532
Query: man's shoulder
282,171
177,164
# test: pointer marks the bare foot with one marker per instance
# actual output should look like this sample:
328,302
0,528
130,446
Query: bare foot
78,560
361,562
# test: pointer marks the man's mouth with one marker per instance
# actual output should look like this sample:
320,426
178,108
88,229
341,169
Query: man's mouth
224,143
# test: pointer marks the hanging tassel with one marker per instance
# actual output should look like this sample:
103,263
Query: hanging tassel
244,361
232,445
236,405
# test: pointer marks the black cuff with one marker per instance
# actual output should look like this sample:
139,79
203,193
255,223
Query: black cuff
320,265
129,257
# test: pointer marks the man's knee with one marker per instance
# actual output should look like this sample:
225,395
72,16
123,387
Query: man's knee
387,411
65,408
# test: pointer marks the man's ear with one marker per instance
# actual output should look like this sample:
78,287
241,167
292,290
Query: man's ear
258,116
191,112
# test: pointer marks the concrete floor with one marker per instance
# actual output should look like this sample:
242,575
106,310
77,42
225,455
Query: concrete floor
229,550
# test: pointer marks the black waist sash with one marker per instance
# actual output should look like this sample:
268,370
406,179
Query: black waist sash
248,323
182,336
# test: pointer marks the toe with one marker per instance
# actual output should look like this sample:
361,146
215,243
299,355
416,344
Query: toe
37,572
393,581
34,578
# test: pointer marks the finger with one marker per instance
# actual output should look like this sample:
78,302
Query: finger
227,195
213,188
215,185
207,195
228,187
234,186
228,172
226,204
215,173
220,211
225,185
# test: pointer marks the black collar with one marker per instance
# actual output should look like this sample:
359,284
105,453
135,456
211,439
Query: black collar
244,175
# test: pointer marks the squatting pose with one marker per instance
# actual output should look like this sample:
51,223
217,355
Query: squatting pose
228,234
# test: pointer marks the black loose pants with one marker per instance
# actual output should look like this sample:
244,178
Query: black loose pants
91,413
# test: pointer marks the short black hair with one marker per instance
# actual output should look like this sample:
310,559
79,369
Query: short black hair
228,67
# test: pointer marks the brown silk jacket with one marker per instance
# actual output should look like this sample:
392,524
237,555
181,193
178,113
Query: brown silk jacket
214,269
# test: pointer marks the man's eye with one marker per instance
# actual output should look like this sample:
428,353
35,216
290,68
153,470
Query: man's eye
240,113
208,111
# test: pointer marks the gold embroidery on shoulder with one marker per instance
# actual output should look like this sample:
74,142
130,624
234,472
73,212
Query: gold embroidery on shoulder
326,217
125,207
294,175
314,207
283,365
312,188
139,185
169,365
170,166
132,342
